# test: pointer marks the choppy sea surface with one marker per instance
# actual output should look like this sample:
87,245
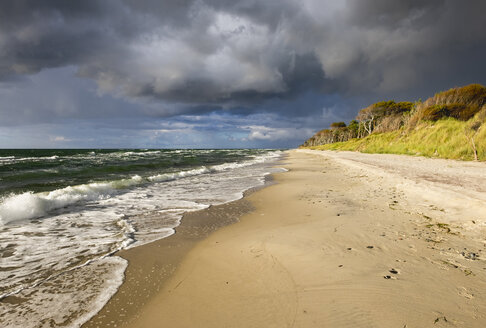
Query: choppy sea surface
64,213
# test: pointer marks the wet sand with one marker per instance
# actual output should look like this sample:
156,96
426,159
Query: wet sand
150,265
336,242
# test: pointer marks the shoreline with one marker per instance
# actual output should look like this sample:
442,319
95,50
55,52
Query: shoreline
58,265
329,244
146,274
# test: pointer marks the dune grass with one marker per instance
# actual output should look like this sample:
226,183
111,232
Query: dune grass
445,138
451,124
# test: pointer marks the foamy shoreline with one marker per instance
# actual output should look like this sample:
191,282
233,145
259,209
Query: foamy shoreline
193,226
336,245
145,213
150,265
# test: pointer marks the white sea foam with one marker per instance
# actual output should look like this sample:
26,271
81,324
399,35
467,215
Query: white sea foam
177,175
141,153
63,297
13,159
257,160
33,205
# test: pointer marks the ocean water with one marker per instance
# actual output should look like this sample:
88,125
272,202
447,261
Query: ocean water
64,213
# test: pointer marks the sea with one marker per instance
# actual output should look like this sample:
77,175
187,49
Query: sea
65,213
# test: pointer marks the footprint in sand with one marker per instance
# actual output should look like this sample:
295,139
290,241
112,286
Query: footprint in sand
392,271
470,255
465,293
257,252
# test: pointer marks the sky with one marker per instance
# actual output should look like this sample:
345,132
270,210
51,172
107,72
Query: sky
221,73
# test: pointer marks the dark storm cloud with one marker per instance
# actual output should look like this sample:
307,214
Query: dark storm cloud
39,34
418,44
393,14
194,56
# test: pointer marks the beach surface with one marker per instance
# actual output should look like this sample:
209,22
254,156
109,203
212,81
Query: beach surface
341,240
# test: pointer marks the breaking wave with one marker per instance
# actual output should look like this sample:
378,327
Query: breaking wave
31,205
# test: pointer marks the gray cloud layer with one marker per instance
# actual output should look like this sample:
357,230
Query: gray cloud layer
195,56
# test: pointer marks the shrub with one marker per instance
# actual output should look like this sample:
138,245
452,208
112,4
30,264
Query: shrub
384,115
459,103
472,95
338,125
460,112
353,128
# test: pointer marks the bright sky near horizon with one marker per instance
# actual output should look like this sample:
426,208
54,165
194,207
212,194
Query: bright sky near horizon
221,73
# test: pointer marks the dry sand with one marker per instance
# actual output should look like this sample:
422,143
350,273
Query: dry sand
342,240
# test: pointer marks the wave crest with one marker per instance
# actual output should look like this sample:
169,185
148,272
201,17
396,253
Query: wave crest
31,205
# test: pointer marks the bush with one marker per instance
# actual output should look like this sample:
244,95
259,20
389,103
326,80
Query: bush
353,128
460,112
338,125
459,103
472,95
384,116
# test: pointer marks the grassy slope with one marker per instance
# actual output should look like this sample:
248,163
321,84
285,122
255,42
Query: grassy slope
445,138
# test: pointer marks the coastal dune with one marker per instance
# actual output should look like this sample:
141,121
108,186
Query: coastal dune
340,241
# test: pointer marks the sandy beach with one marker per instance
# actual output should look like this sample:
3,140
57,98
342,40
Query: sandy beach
341,240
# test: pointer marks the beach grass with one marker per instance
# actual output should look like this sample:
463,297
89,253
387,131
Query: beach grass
445,138
448,125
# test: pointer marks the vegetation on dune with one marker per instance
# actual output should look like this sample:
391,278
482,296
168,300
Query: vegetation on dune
459,103
383,116
449,125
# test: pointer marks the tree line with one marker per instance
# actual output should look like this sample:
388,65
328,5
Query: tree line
466,103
